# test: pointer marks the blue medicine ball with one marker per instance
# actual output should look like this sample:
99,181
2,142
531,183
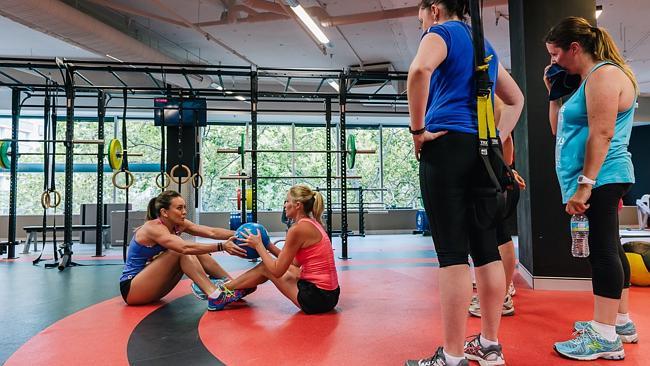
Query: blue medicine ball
255,229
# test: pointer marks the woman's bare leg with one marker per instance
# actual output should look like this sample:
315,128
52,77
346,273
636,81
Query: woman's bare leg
155,280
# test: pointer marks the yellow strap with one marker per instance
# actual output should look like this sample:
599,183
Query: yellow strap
482,117
486,125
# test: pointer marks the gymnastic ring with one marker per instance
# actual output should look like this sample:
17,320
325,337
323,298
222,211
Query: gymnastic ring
180,180
115,155
130,179
163,180
46,199
197,180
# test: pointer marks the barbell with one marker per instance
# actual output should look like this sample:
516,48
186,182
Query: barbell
351,151
247,177
115,154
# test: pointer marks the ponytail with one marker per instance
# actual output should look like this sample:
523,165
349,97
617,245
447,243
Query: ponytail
318,208
152,213
606,49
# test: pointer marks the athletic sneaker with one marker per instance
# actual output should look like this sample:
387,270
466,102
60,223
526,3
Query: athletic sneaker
627,332
485,356
511,289
590,345
199,294
508,308
438,359
223,297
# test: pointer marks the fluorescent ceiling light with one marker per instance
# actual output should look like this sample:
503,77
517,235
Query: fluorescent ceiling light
334,85
599,10
309,22
239,97
216,86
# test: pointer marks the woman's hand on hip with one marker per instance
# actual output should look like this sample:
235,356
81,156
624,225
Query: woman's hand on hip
419,140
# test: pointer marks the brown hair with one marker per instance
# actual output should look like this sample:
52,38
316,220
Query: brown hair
163,200
459,8
595,40
310,199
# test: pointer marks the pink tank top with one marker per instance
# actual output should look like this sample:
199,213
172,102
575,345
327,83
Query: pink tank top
317,261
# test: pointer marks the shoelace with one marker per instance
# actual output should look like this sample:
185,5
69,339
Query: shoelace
473,342
227,291
583,333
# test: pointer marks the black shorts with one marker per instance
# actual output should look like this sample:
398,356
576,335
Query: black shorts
450,171
506,229
125,286
314,300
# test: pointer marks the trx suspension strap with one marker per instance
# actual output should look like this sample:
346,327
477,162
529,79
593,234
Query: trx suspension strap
128,176
162,179
492,203
180,138
50,198
197,178
188,173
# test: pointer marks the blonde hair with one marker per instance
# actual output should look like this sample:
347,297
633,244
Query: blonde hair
595,40
311,200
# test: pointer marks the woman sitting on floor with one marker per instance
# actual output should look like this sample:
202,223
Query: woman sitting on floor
304,270
157,257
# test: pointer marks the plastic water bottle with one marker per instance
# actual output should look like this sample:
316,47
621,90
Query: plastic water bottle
580,236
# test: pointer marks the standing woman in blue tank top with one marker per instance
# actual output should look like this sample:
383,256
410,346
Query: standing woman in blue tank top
594,169
443,113
158,257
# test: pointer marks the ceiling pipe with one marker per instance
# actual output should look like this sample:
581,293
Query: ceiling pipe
333,21
133,11
264,5
253,17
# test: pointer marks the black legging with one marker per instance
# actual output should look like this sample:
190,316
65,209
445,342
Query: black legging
610,269
449,168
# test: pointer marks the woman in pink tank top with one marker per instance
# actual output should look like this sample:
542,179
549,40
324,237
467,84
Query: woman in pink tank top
303,270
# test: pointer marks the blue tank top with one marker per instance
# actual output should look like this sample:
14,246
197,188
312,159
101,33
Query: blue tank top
452,91
137,257
572,133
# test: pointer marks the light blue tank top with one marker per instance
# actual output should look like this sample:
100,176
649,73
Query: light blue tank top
571,140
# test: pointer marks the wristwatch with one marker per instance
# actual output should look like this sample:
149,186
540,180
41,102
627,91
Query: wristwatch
585,180
417,132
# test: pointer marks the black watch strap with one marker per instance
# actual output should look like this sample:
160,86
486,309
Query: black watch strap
417,132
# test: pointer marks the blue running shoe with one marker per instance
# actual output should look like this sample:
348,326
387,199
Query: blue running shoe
589,345
223,298
438,359
627,332
199,294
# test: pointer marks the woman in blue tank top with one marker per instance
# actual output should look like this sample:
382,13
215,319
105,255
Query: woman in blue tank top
595,170
443,111
157,257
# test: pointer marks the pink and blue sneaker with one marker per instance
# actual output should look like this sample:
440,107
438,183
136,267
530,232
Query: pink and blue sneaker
222,297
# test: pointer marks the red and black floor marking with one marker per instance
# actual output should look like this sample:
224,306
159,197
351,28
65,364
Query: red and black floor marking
388,312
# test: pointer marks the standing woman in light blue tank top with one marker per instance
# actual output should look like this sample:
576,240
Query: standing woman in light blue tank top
594,169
